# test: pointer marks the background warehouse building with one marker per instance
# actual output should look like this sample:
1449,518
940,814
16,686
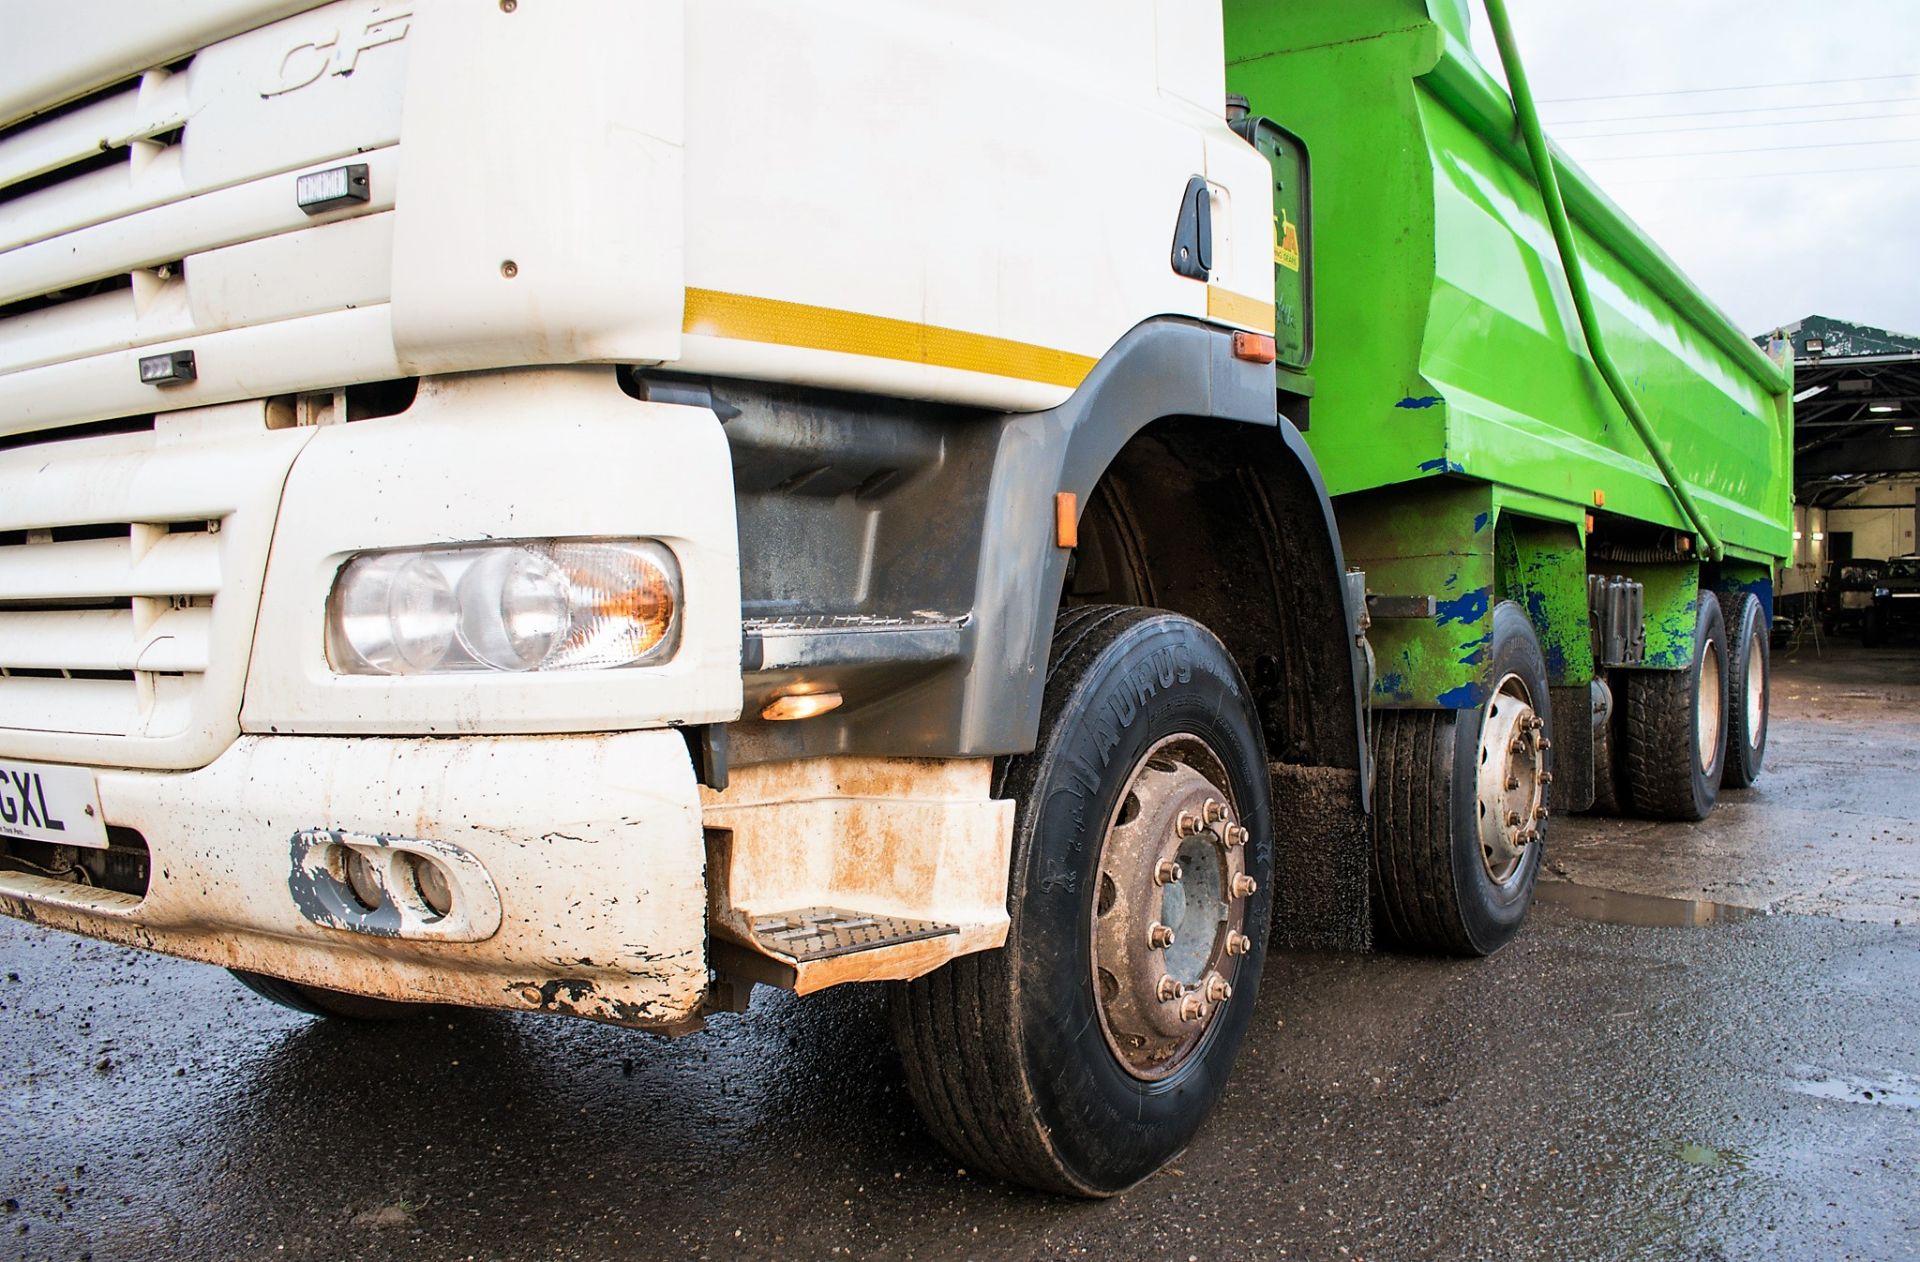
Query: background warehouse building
1856,445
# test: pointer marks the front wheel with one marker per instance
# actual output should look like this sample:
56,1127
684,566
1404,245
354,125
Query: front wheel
1085,1054
317,1001
1460,806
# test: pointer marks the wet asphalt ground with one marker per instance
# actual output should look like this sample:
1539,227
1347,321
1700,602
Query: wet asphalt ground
1745,1087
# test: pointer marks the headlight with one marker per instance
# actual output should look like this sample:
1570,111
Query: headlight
543,604
1881,593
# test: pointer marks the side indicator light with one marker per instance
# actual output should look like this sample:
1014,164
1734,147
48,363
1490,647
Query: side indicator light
1255,348
1066,519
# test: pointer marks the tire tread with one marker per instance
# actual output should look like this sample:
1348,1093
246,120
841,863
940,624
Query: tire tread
954,1027
1413,859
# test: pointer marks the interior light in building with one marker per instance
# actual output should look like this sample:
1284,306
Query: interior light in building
1797,536
1903,429
1818,536
1883,409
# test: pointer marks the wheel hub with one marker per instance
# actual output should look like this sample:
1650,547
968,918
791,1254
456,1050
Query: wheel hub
1513,780
1708,714
1170,909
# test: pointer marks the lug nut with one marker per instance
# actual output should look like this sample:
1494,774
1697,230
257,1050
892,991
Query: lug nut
1546,777
1159,937
1540,812
1546,743
1236,836
1238,943
1192,1008
1244,886
1213,811
1168,989
1168,873
1218,991
1513,819
1188,824
1513,782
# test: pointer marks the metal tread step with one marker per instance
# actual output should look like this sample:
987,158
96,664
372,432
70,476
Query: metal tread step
819,933
813,640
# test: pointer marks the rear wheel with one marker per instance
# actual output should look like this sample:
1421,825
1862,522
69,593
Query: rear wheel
1749,687
1608,793
1460,811
316,1001
1083,1055
1677,728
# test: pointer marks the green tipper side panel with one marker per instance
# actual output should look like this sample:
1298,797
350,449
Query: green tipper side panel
1446,344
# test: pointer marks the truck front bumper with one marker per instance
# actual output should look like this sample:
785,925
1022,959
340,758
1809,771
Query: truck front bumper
590,846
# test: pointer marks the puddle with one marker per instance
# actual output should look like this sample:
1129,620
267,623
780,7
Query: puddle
1649,911
1896,1091
1696,1154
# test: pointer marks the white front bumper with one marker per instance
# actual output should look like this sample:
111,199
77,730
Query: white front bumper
593,843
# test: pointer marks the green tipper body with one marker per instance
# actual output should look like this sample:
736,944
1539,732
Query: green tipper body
1457,416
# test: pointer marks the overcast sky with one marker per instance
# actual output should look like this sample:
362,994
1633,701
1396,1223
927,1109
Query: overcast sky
1768,241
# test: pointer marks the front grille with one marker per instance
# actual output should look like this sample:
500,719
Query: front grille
106,627
158,214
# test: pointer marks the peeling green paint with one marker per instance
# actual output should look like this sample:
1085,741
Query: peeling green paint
1542,567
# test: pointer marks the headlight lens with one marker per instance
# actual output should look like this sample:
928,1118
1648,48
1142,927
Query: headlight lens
553,604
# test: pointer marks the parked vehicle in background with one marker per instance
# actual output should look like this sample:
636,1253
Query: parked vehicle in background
1846,594
1896,601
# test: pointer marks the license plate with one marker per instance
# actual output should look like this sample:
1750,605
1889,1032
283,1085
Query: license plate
55,804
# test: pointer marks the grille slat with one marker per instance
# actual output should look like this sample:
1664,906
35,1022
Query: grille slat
65,140
97,707
178,642
175,565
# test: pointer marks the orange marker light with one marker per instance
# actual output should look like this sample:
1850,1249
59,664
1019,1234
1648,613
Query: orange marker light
1255,348
1066,519
1599,499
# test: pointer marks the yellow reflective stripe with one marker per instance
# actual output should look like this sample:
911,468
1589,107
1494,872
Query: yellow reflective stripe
1249,313
741,317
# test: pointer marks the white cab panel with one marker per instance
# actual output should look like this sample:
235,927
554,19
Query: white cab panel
541,221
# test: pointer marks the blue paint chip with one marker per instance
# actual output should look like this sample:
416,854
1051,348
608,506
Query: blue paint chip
1421,403
1442,465
1480,522
1465,697
1476,650
1471,607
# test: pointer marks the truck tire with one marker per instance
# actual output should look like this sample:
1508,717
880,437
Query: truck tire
1677,728
1608,793
1749,687
318,1002
1460,807
1873,628
1083,1055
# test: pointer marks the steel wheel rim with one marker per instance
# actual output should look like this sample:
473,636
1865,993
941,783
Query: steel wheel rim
1511,781
1756,689
1709,714
1168,919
